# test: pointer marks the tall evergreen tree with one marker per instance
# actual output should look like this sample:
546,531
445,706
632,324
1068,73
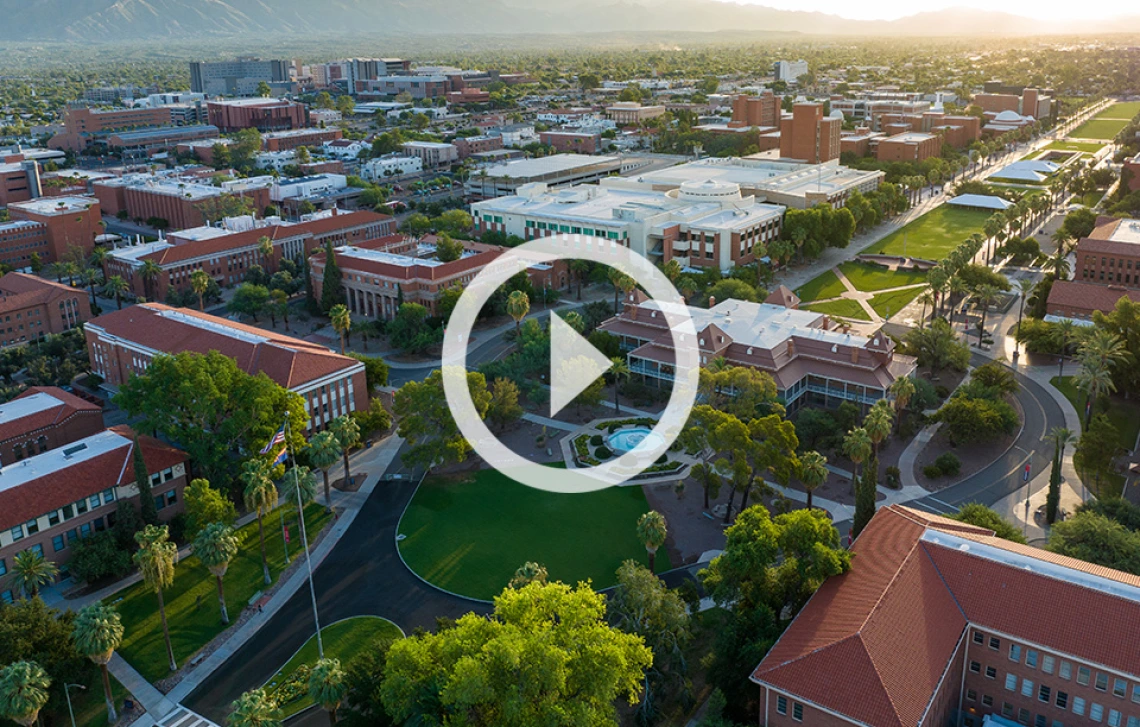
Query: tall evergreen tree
147,509
865,496
332,288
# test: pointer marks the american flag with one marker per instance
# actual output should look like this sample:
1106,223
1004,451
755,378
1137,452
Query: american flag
278,438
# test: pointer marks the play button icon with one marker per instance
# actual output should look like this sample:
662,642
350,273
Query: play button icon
574,364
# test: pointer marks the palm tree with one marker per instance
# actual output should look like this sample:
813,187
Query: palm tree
31,572
260,495
518,305
619,369
347,433
216,545
156,558
298,486
985,295
651,530
1065,331
687,287
327,686
98,632
324,452
615,276
879,423
200,283
672,270
115,287
813,472
341,322
149,272
92,278
1106,346
23,692
1025,286
759,250
527,573
958,290
1094,378
255,708
927,299
579,268
265,249
857,447
901,389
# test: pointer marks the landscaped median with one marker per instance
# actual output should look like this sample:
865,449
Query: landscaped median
344,640
469,534
1122,413
192,602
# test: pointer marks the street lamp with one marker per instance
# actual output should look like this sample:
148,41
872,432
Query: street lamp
67,693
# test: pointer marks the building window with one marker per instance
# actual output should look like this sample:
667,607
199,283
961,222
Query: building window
979,637
1083,675
38,549
32,526
1031,658
1119,687
782,705
975,667
1011,682
1047,664
1039,721
1026,687
53,518
1135,689
1096,712
3,567
1015,652
1066,670
971,695
987,700
991,672
18,533
57,543
81,507
1023,716
1007,710
798,712
1062,700
1078,706
1101,682
1113,718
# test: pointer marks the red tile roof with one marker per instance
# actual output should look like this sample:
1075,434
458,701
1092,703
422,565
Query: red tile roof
68,484
1076,295
68,406
289,361
874,643
19,291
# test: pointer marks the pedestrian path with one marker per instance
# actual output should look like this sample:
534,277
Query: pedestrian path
183,717
152,700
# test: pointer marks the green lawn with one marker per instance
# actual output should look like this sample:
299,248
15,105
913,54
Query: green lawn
469,536
192,602
843,308
1099,128
1090,199
823,286
1086,146
342,640
90,709
870,278
934,234
1124,415
888,304
1124,110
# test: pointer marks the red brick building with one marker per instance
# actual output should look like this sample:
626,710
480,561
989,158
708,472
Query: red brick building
467,95
32,307
177,201
124,342
310,137
1131,172
909,146
574,142
998,102
263,114
1111,254
762,110
51,499
43,418
82,125
1077,300
941,623
19,179
468,145
69,222
809,136
227,256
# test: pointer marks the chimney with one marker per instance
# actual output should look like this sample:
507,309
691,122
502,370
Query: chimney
712,301
854,354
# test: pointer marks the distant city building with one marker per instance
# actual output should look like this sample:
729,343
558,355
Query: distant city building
310,137
909,146
418,87
574,142
384,168
808,136
241,77
257,113
52,499
867,107
467,96
291,187
432,153
68,223
468,145
701,224
630,112
138,145
43,418
347,73
789,71
19,179
86,126
762,110
812,359
124,342
557,170
31,308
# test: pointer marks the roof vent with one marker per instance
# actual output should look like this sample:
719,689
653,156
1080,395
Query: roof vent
67,453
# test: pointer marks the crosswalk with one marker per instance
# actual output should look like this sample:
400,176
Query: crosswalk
182,717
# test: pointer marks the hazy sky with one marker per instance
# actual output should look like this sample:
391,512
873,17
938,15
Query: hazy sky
875,9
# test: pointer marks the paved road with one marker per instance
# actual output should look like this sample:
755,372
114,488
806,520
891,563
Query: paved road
363,575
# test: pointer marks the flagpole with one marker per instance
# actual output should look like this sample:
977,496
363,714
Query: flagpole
305,544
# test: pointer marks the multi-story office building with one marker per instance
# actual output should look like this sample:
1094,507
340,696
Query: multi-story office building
942,623
240,77
69,222
418,87
50,500
85,126
631,112
703,224
811,358
382,169
43,418
310,137
808,136
432,153
762,110
19,179
573,142
138,145
31,307
227,255
124,342
468,145
557,170
262,114
21,239
348,72
909,146
1111,254
866,108
789,71
178,200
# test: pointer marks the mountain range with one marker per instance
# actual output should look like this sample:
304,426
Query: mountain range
119,20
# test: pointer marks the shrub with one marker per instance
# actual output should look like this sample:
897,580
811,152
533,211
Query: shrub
942,392
892,478
177,526
977,420
596,440
98,557
932,471
948,464
603,453
582,445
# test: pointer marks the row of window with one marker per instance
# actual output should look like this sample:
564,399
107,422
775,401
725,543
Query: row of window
63,514
1065,670
797,708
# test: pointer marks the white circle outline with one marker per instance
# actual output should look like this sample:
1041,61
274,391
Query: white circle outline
543,251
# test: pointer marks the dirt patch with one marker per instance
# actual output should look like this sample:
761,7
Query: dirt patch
836,488
354,482
692,529
526,440
974,457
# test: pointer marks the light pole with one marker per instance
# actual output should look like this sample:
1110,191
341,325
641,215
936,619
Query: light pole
305,545
67,693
